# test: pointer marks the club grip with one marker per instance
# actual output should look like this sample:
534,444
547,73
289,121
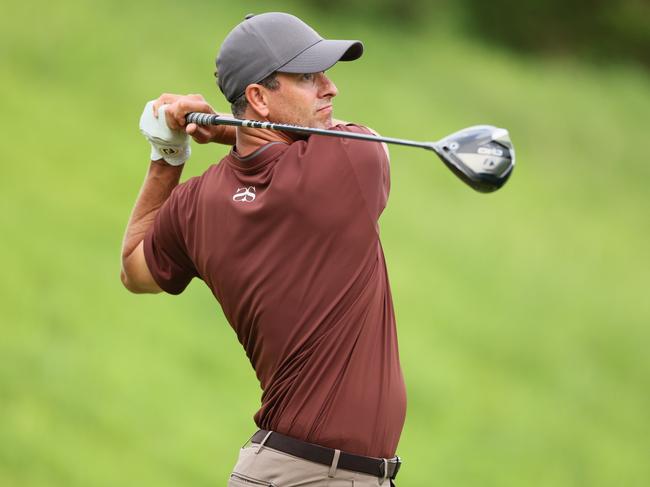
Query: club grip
201,118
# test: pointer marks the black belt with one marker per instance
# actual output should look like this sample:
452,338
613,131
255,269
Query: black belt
379,467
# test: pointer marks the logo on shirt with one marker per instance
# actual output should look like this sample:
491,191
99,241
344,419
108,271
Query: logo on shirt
244,194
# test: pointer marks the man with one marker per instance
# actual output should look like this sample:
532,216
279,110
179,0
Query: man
284,232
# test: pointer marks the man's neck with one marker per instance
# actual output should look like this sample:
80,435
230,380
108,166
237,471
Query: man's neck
249,140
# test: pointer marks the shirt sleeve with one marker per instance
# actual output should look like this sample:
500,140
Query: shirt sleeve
371,166
165,245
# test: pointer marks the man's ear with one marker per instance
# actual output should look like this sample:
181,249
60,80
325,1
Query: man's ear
257,97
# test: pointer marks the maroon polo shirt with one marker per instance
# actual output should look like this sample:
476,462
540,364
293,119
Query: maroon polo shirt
287,239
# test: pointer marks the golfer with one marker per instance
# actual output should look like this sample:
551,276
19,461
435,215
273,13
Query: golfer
284,232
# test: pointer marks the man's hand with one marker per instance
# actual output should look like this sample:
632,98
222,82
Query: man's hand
180,105
171,145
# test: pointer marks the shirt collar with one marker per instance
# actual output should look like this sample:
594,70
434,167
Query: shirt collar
258,159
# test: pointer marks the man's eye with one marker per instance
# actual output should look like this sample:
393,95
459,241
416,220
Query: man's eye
308,76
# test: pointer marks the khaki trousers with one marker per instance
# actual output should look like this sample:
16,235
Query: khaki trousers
272,468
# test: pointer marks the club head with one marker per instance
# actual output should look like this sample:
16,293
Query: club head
482,156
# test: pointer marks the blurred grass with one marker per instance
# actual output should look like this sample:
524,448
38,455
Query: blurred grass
523,315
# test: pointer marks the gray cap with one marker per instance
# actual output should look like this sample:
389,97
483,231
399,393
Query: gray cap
276,41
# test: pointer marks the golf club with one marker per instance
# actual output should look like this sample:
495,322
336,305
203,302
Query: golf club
482,156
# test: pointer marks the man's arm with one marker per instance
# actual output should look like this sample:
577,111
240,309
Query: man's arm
161,179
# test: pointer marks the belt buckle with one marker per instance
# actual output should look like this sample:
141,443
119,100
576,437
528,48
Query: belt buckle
384,465
399,464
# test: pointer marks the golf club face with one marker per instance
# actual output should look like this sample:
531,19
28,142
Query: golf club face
482,156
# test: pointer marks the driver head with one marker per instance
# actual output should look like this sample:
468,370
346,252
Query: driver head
482,156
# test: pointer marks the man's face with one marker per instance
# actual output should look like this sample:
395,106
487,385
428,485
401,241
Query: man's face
303,99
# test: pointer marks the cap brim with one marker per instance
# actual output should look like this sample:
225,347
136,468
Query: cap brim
322,56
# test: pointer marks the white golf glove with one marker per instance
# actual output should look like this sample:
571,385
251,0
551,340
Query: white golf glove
171,145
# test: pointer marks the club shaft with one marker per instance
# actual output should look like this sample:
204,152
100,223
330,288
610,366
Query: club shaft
477,178
208,119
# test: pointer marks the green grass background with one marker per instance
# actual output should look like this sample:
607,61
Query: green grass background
523,316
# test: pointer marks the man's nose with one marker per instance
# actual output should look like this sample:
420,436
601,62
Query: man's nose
327,87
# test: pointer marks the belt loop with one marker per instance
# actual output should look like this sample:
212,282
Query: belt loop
248,440
381,482
335,463
263,441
